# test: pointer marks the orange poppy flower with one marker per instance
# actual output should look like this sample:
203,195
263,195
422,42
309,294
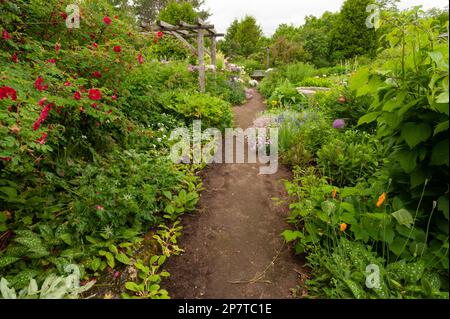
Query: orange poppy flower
381,200
334,193
343,227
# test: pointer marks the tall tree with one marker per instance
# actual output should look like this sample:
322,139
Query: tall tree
316,35
243,38
350,35
149,10
174,12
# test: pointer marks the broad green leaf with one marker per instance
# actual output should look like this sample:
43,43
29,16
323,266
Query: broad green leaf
348,207
407,160
67,238
290,235
95,264
109,258
113,249
415,133
441,127
9,191
439,59
7,260
417,178
403,217
368,118
161,260
153,259
123,258
439,156
387,234
442,98
132,286
6,292
443,205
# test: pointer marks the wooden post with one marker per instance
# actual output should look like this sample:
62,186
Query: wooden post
201,61
268,57
214,52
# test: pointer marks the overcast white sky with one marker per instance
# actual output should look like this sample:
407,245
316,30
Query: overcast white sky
271,13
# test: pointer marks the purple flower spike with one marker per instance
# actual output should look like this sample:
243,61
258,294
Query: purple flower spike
339,124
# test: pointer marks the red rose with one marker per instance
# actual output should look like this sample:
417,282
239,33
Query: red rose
42,116
42,139
63,15
114,97
95,94
6,92
117,49
159,34
14,58
95,45
107,20
53,61
67,83
140,58
6,36
96,74
77,96
38,84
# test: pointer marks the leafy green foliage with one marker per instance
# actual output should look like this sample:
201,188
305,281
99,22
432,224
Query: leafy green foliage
53,287
378,195
350,157
243,37
84,172
350,36
213,111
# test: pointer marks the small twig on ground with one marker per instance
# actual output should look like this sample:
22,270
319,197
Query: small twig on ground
261,275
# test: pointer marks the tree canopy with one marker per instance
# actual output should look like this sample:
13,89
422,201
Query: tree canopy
242,38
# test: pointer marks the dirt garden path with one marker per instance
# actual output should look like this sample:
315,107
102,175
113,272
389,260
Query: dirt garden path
235,234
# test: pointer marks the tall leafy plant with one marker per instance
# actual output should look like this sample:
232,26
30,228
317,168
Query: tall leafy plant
410,94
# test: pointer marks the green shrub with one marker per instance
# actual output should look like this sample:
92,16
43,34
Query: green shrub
189,106
298,71
344,230
294,73
223,87
249,65
316,82
286,95
350,157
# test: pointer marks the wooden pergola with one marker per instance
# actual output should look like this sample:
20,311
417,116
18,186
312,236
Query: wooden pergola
184,31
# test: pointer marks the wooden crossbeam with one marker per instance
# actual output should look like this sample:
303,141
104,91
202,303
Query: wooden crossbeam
217,35
186,30
164,26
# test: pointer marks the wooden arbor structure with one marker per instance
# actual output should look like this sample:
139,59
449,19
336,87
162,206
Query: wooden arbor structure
184,31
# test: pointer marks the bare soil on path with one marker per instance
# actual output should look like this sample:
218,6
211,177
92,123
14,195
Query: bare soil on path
233,247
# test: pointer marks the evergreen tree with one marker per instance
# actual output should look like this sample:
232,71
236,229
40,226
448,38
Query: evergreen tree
350,36
243,38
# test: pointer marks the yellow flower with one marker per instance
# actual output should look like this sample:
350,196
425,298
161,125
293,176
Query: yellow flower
343,227
381,200
274,102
